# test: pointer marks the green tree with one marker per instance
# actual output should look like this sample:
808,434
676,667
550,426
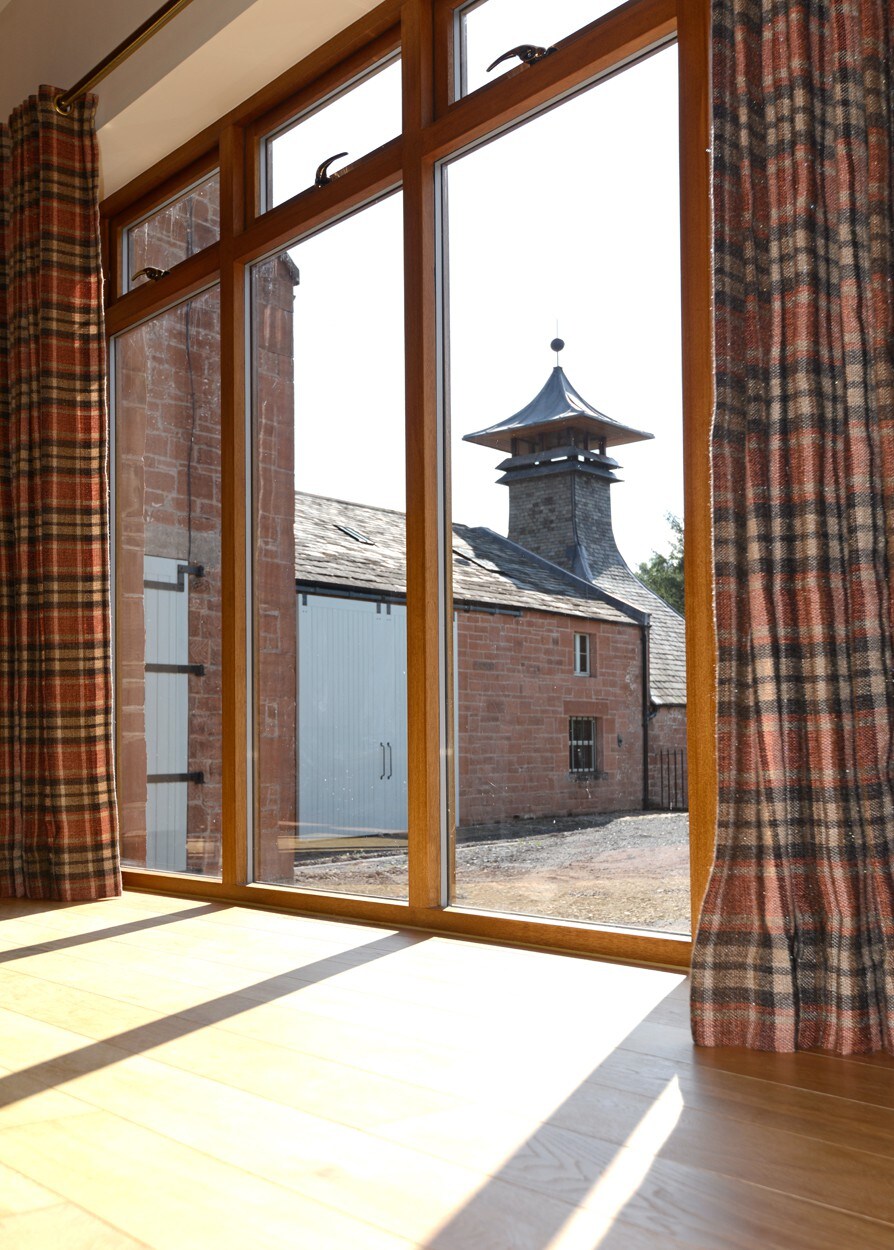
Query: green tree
664,574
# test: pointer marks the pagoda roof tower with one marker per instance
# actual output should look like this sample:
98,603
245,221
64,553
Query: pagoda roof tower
555,409
559,474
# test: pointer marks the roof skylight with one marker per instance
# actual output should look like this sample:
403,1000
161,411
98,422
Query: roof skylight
356,535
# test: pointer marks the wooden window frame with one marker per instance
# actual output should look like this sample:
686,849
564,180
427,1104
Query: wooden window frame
585,669
435,127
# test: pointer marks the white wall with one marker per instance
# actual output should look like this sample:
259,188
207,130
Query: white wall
209,58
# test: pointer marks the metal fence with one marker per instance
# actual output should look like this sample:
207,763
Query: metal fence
673,777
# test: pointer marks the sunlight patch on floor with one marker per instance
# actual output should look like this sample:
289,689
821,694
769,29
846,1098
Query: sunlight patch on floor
630,1166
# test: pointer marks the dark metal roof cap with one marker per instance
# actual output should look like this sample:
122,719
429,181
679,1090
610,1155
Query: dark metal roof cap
558,403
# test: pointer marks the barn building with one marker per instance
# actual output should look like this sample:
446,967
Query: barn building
548,678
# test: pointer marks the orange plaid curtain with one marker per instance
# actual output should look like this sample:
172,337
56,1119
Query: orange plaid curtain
58,825
795,947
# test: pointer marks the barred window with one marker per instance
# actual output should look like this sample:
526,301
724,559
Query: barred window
582,744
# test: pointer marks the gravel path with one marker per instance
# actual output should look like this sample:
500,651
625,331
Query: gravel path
629,869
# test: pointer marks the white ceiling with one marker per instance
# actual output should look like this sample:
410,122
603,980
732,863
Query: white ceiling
203,63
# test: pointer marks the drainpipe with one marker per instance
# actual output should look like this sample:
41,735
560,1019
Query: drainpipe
646,712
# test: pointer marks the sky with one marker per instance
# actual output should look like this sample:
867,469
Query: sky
571,219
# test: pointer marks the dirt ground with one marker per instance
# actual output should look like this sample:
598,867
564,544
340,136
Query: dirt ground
628,869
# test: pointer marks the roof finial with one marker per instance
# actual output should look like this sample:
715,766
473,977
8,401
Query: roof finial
557,345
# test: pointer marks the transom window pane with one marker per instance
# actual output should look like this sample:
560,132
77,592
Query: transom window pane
491,27
172,233
355,121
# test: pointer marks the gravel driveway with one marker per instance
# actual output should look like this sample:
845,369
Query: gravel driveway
629,869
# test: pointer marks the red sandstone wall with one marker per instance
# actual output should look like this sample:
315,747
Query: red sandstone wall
516,692
667,732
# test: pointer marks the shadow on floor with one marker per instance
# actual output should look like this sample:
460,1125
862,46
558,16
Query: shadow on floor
100,935
57,1071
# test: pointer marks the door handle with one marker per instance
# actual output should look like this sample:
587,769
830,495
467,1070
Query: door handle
382,773
390,762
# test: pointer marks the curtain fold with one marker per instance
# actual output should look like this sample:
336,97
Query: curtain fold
795,947
58,825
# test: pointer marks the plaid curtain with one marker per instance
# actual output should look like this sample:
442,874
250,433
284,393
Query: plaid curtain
58,829
795,947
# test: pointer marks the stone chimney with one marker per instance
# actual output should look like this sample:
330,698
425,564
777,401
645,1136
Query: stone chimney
559,475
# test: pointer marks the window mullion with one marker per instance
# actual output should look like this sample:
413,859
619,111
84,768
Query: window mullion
234,517
698,404
427,884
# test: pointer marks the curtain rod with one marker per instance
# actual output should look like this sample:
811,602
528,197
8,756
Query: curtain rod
141,35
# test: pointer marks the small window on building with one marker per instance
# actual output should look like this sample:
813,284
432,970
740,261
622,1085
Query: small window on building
582,655
582,744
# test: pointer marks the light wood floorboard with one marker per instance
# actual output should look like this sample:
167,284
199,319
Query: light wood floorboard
176,1075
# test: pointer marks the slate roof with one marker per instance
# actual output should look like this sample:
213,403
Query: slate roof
556,403
667,637
487,568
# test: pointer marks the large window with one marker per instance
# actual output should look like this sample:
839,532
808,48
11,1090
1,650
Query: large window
566,456
350,641
330,639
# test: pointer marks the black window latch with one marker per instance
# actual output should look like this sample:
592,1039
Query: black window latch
527,53
323,175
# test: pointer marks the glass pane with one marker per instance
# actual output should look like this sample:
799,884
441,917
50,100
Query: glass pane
173,233
492,27
355,122
168,613
329,560
571,793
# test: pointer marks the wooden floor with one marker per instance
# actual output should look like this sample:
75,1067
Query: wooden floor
180,1075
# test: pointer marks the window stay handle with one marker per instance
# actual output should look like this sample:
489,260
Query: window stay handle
323,175
527,53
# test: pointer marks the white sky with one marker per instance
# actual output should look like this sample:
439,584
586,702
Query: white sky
572,217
